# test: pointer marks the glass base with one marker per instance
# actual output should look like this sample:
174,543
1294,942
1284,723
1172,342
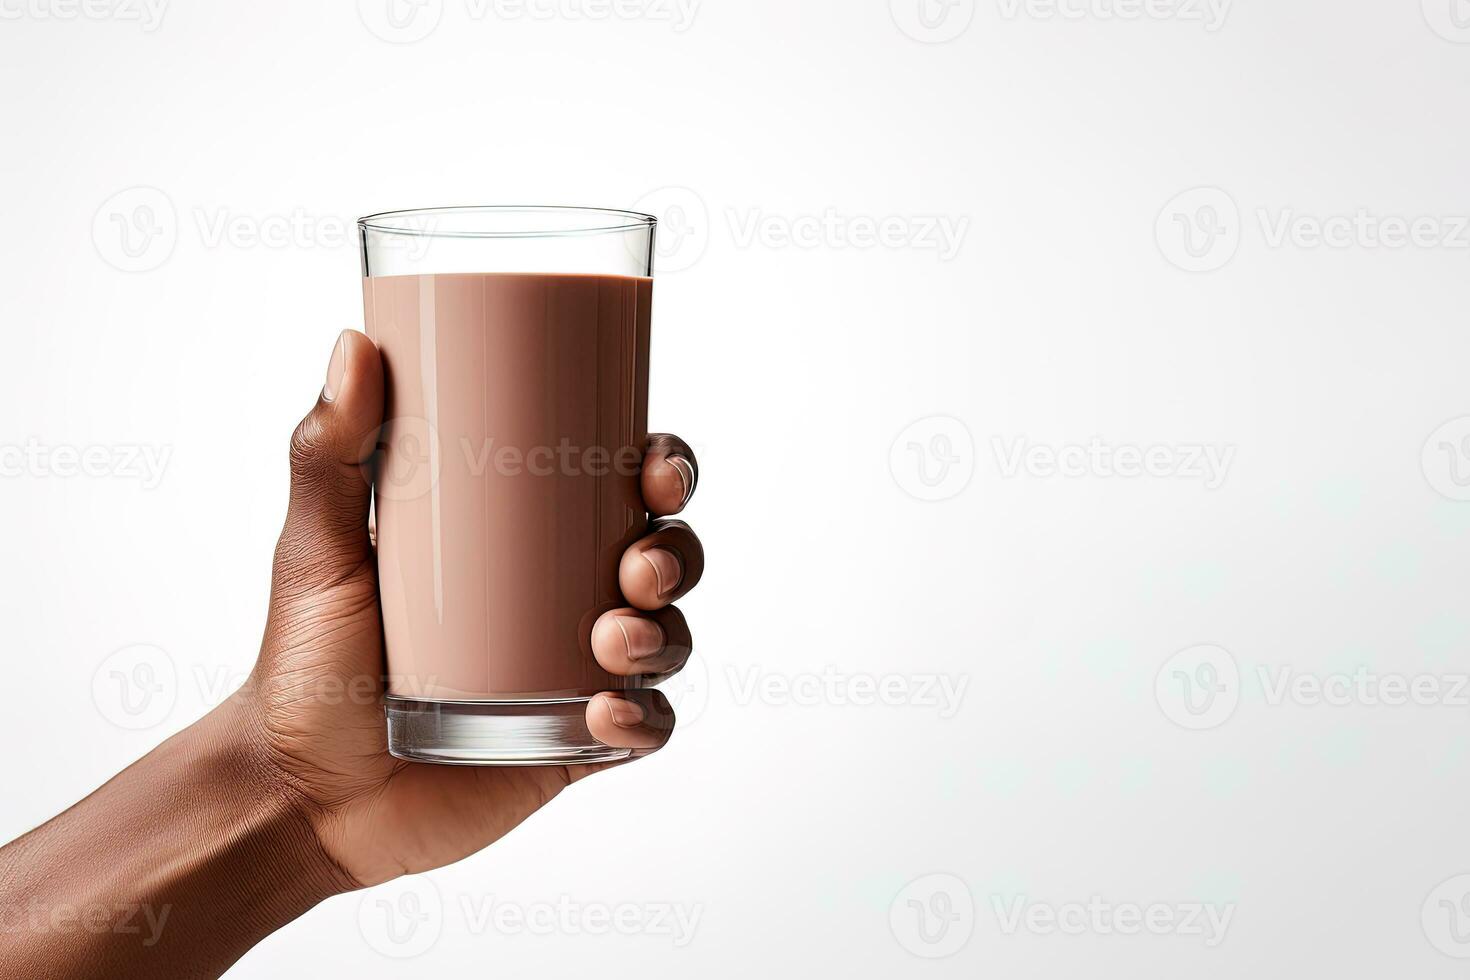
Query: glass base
495,733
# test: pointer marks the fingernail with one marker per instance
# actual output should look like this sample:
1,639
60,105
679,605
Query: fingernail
624,713
644,638
336,369
685,469
667,570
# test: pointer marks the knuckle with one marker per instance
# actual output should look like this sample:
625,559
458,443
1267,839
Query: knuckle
306,446
664,444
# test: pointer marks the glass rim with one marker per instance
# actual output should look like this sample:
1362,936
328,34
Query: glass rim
418,221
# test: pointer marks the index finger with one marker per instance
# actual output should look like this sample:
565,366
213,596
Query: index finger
670,473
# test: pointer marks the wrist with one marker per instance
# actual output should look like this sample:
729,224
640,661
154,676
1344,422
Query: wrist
234,855
200,834
274,824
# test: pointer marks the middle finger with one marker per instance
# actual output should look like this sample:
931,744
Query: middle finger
661,567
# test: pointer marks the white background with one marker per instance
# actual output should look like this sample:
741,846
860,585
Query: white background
829,383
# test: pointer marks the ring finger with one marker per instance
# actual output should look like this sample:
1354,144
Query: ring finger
628,642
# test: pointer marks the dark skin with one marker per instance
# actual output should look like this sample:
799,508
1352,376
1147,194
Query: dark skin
285,794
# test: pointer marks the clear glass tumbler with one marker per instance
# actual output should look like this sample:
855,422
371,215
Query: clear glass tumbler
515,350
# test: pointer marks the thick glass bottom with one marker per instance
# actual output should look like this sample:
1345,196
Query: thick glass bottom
495,733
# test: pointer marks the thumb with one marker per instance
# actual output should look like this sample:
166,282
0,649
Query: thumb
326,533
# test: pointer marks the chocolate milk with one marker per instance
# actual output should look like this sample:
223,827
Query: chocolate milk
507,488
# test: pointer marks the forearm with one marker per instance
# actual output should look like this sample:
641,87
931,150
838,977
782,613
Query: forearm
174,868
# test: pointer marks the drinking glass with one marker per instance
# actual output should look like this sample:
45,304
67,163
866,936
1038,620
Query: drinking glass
514,343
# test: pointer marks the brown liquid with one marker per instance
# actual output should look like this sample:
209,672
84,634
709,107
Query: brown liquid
508,489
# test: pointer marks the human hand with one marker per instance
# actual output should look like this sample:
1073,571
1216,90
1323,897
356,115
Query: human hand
312,712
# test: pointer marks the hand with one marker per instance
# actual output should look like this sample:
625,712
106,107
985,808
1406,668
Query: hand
312,711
